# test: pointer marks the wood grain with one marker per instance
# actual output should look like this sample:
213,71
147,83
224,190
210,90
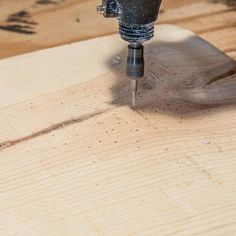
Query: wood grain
75,159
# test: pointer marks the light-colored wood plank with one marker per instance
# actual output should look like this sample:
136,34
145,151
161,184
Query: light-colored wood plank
223,38
76,160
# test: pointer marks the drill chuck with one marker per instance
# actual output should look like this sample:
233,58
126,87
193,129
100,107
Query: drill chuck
135,61
135,67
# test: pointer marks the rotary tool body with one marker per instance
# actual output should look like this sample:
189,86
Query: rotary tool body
136,26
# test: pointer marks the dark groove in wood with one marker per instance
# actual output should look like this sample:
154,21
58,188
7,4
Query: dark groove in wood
50,129
222,76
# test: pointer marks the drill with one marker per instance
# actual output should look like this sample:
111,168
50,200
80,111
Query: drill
136,26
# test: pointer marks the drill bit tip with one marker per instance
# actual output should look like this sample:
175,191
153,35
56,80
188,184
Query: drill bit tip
134,86
133,99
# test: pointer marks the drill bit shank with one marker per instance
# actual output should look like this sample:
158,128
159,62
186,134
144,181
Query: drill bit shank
135,67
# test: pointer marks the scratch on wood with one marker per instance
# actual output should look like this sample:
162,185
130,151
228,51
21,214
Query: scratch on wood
203,171
146,119
50,129
95,228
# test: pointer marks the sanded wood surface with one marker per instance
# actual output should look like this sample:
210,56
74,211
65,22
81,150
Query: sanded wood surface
29,25
75,159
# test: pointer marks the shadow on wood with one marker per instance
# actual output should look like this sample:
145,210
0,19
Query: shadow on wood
183,77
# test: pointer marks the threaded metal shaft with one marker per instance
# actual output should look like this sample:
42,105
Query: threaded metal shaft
136,33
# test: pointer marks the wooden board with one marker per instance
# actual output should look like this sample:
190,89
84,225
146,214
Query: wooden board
29,25
75,159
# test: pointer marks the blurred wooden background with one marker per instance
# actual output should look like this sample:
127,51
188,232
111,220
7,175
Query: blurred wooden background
29,25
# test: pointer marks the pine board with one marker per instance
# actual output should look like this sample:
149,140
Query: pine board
75,159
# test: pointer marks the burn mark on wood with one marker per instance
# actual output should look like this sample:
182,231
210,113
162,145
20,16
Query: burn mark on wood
46,2
21,17
19,22
18,29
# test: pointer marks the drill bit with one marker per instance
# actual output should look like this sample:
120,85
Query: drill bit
134,86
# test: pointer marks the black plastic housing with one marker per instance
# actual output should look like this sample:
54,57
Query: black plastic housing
136,17
138,11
